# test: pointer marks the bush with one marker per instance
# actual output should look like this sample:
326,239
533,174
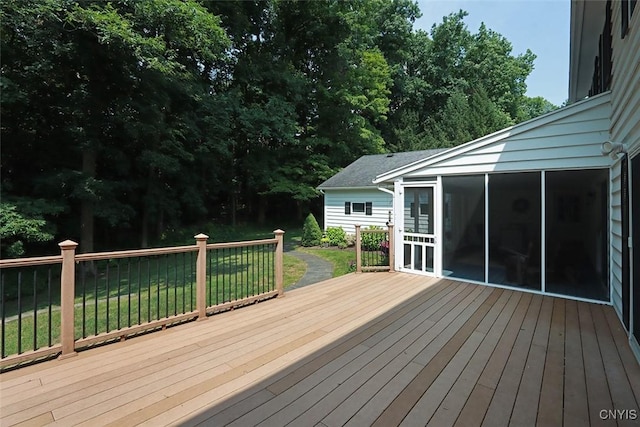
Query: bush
311,233
372,241
350,240
337,236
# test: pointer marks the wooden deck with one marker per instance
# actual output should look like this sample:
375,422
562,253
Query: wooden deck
378,349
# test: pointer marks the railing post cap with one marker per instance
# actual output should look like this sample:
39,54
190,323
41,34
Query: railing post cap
278,232
201,236
68,244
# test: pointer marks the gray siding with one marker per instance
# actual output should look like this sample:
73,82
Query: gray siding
616,238
625,128
572,141
334,215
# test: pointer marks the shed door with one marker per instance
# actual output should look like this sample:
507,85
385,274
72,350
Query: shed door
418,233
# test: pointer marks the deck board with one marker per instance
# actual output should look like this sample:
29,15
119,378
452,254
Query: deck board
550,401
364,349
456,398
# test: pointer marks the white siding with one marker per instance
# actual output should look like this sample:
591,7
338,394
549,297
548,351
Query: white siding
616,238
382,204
625,128
572,141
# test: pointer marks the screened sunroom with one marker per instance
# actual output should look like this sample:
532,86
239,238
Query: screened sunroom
527,207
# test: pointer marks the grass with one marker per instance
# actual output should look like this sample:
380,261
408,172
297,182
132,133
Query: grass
149,289
343,260
294,269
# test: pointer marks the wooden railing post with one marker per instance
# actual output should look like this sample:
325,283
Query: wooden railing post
201,276
67,298
358,250
279,262
392,258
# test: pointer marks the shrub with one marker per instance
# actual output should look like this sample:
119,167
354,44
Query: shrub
350,240
311,233
337,236
372,241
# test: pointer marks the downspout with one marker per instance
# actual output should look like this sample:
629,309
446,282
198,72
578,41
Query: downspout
393,200
385,190
391,213
324,211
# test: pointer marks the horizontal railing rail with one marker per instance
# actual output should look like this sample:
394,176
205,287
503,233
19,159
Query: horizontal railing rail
135,253
97,297
374,249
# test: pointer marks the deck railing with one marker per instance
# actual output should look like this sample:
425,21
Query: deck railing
374,249
59,304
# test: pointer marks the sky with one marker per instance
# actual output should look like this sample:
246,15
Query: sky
539,25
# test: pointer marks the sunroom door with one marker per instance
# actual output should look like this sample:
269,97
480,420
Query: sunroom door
418,234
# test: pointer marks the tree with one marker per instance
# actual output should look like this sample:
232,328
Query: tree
460,86
22,221
101,92
530,108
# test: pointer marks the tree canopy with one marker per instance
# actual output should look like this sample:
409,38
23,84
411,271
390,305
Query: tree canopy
124,119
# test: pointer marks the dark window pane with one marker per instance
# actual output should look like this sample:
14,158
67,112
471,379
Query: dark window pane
358,207
625,18
418,210
464,224
577,233
514,229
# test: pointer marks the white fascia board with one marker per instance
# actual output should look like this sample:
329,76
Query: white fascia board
575,40
368,187
587,21
536,122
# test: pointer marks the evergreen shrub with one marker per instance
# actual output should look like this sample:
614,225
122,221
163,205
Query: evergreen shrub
311,233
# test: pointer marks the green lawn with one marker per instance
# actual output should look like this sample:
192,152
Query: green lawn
120,293
294,269
343,260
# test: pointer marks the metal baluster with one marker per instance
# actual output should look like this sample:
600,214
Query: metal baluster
50,304
108,295
19,312
4,316
118,279
35,309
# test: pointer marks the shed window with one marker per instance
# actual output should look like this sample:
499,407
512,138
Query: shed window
358,207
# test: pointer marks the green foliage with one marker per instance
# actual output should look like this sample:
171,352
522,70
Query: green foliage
458,86
337,236
21,222
372,241
311,233
138,117
530,108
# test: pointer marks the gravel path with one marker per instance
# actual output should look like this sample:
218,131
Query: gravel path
318,269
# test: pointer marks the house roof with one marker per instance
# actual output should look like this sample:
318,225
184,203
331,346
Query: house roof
510,132
363,171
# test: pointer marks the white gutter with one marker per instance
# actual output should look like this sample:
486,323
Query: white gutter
386,191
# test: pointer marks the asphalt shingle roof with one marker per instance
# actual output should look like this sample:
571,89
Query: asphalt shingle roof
363,171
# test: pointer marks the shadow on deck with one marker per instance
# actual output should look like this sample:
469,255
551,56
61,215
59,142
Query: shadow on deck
363,349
